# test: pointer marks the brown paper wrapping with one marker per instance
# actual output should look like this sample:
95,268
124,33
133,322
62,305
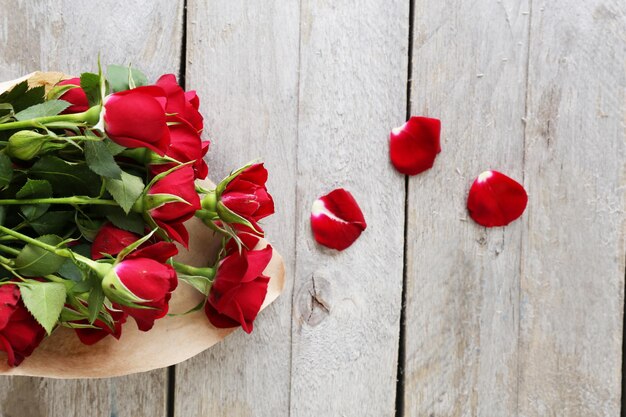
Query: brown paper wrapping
172,340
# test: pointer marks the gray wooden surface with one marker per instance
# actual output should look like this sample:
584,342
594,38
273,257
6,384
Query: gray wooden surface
524,320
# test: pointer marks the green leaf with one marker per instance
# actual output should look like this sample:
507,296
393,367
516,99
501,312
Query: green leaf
119,76
67,314
58,90
88,227
200,283
95,302
132,222
6,170
67,178
3,214
71,271
6,112
45,301
125,191
100,160
20,97
47,108
54,222
113,147
90,83
33,261
34,189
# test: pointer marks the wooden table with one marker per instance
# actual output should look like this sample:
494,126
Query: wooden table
524,320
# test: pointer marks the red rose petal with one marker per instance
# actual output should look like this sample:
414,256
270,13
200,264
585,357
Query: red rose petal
495,199
337,220
414,145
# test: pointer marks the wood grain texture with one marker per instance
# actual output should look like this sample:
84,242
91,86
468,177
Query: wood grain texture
242,58
573,247
462,315
353,72
67,36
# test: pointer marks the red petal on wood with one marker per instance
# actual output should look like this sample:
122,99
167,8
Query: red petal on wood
495,199
337,220
414,145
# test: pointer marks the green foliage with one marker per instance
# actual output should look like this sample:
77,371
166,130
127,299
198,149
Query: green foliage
33,261
100,160
54,222
120,78
95,301
113,148
88,227
45,301
67,178
200,283
126,190
47,108
34,189
90,83
21,97
6,170
132,222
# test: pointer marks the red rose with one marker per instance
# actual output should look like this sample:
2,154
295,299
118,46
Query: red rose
75,96
136,119
239,289
143,273
171,215
111,240
20,333
183,104
185,146
247,196
147,279
90,336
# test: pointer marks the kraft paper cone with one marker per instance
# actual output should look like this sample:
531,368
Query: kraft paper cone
172,340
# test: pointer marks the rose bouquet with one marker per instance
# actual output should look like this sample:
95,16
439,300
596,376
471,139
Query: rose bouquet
106,217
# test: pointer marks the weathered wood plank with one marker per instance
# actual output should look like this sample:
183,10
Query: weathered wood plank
347,304
67,36
573,247
242,58
469,70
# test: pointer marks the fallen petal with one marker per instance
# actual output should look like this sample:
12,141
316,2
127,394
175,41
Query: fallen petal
495,199
337,220
414,145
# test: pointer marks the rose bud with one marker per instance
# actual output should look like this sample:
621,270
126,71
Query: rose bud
28,144
414,146
136,119
20,333
90,336
171,201
239,288
337,220
75,96
141,282
185,146
495,199
241,198
141,279
183,104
